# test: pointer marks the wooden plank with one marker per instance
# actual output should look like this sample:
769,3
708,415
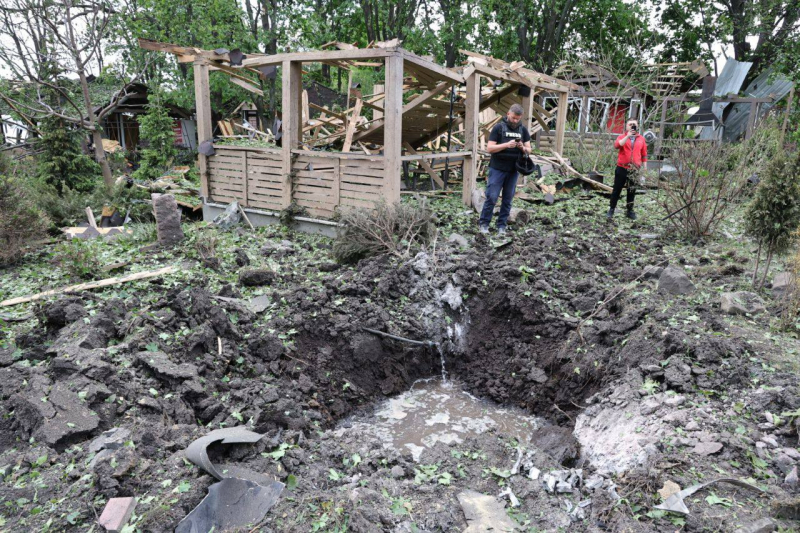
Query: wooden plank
367,189
431,68
351,125
357,202
91,285
339,155
374,165
372,172
260,60
247,87
262,150
431,172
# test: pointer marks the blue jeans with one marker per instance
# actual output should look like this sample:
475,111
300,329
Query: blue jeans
499,181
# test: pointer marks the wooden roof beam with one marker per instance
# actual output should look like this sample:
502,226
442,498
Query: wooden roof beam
314,56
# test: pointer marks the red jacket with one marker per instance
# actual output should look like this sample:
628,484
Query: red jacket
637,156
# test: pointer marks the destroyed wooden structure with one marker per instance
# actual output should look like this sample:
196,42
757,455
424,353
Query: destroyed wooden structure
418,103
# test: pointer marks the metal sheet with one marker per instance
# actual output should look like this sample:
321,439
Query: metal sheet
230,505
729,82
674,503
197,450
764,86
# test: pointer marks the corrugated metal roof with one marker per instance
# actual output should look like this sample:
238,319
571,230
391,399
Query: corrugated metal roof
761,87
729,82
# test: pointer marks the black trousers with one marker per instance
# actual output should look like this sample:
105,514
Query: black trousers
621,180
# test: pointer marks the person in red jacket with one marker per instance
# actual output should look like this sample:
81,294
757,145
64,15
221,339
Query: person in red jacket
632,156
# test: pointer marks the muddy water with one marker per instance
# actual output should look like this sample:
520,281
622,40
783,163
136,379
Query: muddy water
439,411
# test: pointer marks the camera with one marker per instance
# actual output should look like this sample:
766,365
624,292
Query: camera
634,127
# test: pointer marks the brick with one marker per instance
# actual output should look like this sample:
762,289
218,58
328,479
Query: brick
116,514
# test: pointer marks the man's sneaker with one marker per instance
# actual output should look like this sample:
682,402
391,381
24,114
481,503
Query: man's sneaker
630,214
610,214
484,229
501,231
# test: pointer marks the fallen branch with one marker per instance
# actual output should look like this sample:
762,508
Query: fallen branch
91,285
580,176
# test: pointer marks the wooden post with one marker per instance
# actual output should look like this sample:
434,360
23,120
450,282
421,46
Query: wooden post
786,116
751,120
471,124
540,101
527,110
393,127
292,74
661,126
205,129
561,123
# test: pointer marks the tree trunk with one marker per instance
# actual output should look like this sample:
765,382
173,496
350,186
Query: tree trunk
80,67
758,259
766,270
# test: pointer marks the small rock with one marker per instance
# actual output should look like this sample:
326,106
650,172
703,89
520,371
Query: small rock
257,277
765,525
675,281
161,365
741,303
398,472
669,488
791,478
459,240
707,448
692,426
421,263
784,463
649,407
110,440
534,473
769,439
652,272
675,401
791,452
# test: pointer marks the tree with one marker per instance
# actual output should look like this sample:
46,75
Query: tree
47,42
774,24
156,129
773,216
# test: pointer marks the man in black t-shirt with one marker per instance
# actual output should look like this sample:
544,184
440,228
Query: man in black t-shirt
508,140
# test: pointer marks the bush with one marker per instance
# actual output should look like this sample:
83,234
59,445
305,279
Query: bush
387,229
81,258
703,190
62,163
21,222
156,130
773,216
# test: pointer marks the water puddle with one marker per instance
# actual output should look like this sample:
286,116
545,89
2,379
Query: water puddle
439,411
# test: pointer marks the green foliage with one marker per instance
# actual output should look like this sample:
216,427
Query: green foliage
773,216
155,127
62,162
81,258
20,220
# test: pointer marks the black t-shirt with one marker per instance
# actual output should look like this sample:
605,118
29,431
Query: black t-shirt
505,160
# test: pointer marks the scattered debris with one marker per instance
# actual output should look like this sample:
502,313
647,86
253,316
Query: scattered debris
230,217
669,488
675,504
116,513
484,513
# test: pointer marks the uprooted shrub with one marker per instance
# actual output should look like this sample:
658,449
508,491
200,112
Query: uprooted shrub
773,216
394,229
21,223
703,190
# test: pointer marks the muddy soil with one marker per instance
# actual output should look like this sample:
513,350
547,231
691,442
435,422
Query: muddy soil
635,387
